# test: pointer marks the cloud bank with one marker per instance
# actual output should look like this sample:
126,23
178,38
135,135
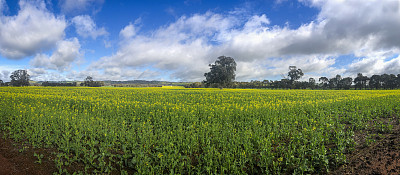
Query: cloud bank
33,29
65,54
182,50
186,46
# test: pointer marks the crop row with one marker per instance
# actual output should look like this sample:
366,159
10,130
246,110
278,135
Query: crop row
195,131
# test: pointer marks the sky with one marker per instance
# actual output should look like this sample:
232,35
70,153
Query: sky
172,40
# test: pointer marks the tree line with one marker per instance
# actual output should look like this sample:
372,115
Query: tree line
222,75
90,83
46,83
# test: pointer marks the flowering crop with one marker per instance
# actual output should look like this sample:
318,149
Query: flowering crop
192,131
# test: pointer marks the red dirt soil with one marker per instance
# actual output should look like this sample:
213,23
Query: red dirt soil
381,157
14,162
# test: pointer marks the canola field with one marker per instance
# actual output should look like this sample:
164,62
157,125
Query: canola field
193,131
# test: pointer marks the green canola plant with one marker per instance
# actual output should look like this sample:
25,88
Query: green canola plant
193,131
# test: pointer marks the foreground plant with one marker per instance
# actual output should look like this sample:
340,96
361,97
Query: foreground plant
196,131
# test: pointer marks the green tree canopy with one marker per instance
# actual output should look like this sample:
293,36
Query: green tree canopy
295,73
222,73
345,83
20,78
361,81
89,82
375,81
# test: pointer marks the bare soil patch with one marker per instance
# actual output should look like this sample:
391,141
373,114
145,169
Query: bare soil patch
376,152
12,161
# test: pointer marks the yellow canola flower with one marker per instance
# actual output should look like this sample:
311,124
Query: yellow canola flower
159,116
160,155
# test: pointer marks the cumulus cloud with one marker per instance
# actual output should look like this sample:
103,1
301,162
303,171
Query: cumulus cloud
127,32
347,26
5,75
161,54
185,47
80,6
278,67
32,30
339,29
181,46
86,27
37,74
115,74
378,62
66,52
6,70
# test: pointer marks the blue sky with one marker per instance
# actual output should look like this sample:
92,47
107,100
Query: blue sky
176,40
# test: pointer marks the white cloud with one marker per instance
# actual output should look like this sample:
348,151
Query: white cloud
3,6
339,29
32,30
378,62
256,23
80,6
67,52
5,75
181,46
46,75
38,74
6,70
160,54
278,67
184,48
128,32
115,74
86,27
313,3
107,44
